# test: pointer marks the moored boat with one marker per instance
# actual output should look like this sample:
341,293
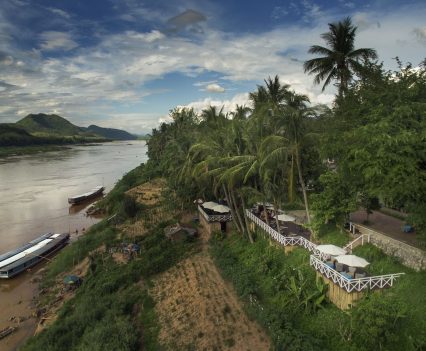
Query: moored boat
6,331
80,198
28,255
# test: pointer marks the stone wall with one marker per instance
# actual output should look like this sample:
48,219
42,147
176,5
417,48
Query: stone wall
409,255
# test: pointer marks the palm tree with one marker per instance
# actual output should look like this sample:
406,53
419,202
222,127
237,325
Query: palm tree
341,60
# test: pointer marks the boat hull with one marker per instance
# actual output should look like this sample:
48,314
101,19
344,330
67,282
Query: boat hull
25,260
80,198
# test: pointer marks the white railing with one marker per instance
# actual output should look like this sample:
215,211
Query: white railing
286,240
215,218
376,282
361,240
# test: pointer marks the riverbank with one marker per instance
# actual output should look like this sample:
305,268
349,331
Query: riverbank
128,302
8,151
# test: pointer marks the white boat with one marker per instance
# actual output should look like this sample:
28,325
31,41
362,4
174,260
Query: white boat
17,261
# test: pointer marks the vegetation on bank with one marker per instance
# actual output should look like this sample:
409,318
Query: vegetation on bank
112,310
6,151
14,136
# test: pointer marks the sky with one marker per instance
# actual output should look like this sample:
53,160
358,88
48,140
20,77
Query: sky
126,63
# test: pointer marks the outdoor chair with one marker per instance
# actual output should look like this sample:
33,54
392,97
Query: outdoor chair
330,264
352,270
359,275
339,267
347,275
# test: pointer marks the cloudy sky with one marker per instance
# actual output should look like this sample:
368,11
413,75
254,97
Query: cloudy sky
126,63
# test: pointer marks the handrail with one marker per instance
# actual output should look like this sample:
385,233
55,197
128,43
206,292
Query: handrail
215,218
363,238
357,284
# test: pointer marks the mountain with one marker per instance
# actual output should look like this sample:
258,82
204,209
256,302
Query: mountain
53,125
111,133
42,124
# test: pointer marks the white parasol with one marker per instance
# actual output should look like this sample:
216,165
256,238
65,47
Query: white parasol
332,250
285,218
221,209
209,204
352,260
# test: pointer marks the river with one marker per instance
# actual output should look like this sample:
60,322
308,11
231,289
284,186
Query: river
34,190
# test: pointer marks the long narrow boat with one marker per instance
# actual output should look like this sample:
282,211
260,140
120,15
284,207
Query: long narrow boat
6,331
79,198
17,261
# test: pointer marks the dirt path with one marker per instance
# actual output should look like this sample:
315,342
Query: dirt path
198,310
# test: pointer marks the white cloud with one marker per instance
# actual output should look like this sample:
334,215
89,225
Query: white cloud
93,80
215,88
228,105
59,12
145,37
52,40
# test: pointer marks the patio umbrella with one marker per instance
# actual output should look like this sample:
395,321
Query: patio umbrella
352,260
285,218
332,250
221,209
209,204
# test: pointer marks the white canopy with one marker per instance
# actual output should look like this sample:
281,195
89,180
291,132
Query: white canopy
331,250
285,218
221,209
210,204
352,260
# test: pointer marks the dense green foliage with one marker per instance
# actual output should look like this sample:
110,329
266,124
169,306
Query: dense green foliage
377,138
49,124
281,292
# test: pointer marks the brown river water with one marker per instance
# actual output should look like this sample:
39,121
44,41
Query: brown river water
33,200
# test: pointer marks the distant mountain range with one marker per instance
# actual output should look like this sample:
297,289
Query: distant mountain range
51,129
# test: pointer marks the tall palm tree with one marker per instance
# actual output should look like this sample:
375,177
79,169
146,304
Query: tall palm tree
341,60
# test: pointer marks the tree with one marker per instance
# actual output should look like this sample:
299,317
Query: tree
379,140
341,60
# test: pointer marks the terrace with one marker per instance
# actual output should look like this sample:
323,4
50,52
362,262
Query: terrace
350,286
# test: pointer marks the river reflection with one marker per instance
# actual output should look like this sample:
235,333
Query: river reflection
34,188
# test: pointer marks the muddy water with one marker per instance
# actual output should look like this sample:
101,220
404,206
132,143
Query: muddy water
33,200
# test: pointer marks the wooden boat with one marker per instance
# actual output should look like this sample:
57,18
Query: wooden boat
17,261
80,198
6,331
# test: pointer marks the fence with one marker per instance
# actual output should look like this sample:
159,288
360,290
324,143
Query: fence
286,240
350,285
318,258
215,218
363,238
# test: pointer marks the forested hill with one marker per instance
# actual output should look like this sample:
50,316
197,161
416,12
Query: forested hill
39,129
49,125
111,133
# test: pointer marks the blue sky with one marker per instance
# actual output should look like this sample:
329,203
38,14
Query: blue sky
126,63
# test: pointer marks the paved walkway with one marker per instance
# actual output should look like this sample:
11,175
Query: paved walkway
386,225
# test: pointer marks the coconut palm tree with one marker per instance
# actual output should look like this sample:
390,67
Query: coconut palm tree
340,59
